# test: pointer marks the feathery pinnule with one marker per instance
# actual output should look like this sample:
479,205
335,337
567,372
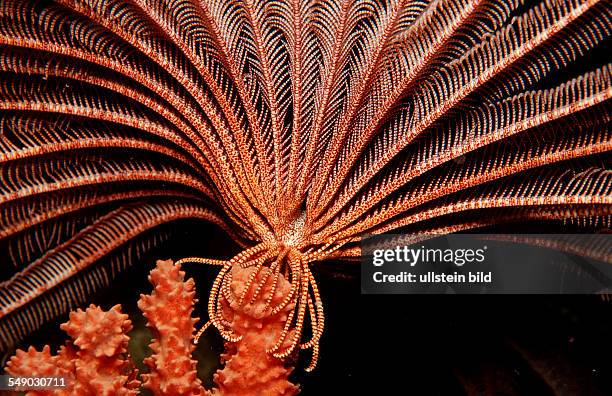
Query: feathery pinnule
297,126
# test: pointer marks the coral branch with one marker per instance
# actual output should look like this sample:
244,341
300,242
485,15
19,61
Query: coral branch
249,368
168,311
95,362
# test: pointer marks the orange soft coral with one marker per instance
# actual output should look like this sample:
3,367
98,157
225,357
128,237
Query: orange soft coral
35,363
168,311
249,368
96,361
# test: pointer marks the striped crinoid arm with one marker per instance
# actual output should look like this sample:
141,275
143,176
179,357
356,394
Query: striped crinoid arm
92,128
173,52
75,256
535,189
499,65
482,145
158,68
364,55
297,126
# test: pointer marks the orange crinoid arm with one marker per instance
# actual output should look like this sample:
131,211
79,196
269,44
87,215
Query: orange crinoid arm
296,126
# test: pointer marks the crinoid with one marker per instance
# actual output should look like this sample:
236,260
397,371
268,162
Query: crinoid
296,126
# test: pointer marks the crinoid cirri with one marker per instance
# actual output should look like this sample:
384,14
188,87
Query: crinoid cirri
296,126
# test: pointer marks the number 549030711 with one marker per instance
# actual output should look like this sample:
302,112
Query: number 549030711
8,382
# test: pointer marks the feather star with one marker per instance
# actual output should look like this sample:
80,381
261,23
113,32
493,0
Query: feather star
296,126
